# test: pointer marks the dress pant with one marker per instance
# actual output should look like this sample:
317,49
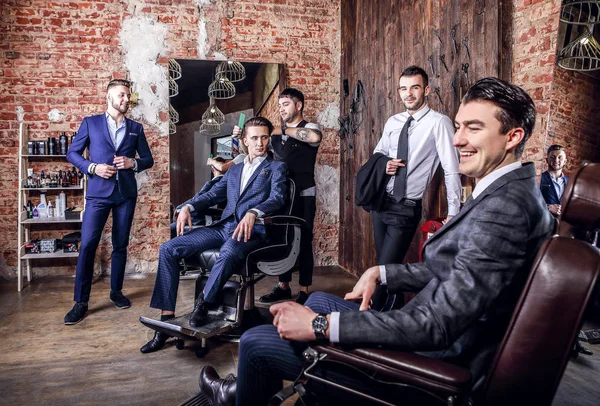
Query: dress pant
305,207
232,256
394,228
96,213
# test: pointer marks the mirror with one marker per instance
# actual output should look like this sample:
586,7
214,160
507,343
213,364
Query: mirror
189,147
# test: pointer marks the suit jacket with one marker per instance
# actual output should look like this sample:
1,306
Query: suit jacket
371,181
93,134
265,191
548,190
472,273
198,218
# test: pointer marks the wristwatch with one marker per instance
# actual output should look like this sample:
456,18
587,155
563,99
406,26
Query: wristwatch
319,326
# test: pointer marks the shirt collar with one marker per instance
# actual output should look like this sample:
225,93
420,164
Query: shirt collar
256,161
112,121
493,176
421,113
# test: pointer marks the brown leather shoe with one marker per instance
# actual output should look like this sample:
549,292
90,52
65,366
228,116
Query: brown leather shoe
220,391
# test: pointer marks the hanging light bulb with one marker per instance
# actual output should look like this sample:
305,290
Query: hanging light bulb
213,114
582,54
234,71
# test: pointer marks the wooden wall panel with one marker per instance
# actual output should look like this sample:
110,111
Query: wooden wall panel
379,40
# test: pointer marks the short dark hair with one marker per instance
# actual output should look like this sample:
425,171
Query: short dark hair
554,147
293,94
257,122
414,70
118,82
516,109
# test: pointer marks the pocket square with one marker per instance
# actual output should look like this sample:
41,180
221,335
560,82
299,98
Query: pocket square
265,172
134,134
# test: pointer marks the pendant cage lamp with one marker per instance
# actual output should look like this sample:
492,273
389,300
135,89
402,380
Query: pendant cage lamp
209,128
221,88
174,69
173,88
580,11
172,128
173,115
234,71
583,54
213,114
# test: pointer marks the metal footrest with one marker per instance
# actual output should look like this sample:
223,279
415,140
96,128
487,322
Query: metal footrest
197,400
216,324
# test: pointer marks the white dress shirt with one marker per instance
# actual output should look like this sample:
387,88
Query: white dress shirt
429,143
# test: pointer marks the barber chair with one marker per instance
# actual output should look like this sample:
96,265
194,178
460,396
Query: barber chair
237,311
533,354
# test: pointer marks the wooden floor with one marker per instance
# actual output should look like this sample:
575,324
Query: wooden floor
98,362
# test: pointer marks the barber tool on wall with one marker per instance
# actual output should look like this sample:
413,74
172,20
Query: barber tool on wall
436,32
453,35
443,61
430,59
465,42
439,96
465,69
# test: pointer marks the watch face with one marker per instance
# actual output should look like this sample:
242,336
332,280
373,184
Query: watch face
320,324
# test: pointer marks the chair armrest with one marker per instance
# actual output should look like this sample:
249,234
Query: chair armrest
212,211
283,220
408,368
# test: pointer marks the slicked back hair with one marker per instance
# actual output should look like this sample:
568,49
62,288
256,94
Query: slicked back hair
515,107
118,82
257,122
414,71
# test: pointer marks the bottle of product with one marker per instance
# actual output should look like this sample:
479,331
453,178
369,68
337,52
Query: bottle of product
29,177
74,180
43,206
42,179
57,207
63,145
50,210
51,146
63,203
29,209
36,213
73,137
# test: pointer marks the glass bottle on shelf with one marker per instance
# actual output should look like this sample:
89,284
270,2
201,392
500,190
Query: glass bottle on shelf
74,179
42,179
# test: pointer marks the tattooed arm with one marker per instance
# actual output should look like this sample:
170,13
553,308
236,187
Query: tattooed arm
304,134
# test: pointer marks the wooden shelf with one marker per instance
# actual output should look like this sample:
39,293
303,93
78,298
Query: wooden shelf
53,220
54,188
58,254
44,156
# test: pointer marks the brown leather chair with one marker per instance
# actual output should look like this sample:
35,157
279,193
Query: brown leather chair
533,354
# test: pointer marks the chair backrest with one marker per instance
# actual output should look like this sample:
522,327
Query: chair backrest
533,354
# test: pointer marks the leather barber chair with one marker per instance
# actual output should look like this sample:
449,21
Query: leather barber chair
533,354
237,311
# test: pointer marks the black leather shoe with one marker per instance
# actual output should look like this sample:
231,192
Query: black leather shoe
76,314
220,391
200,312
276,295
157,342
301,298
581,349
119,299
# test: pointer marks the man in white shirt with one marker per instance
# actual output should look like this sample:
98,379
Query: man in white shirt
472,273
416,141
254,189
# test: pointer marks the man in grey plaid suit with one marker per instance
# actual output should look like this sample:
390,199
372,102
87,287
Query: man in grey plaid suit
254,189
472,273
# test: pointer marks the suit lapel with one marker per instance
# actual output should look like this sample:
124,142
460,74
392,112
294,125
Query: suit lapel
264,164
520,173
103,124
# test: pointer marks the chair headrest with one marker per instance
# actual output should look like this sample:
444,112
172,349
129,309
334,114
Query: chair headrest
581,200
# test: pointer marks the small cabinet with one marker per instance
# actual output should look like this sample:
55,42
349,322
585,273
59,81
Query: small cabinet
28,227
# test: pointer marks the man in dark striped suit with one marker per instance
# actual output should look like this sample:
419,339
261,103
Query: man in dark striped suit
254,189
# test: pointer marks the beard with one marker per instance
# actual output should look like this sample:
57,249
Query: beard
118,107
416,105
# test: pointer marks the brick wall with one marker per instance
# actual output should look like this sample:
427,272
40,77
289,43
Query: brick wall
575,117
60,55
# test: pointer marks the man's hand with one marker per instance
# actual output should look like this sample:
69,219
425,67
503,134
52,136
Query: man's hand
294,321
392,166
184,218
555,209
244,228
122,162
105,171
365,287
237,132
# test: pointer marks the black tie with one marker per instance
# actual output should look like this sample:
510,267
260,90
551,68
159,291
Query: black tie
400,180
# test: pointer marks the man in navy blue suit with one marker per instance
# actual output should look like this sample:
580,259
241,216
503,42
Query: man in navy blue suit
112,141
254,189
554,181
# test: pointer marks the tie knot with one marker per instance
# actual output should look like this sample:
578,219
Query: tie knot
410,120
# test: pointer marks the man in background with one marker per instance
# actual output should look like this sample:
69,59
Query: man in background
554,181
